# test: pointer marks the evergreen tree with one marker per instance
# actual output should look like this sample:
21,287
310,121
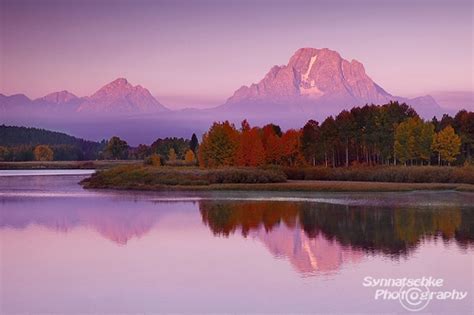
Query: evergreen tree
346,128
117,148
310,141
464,126
329,140
194,143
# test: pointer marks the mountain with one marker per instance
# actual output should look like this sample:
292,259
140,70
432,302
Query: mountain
314,84
59,97
314,74
13,100
120,96
114,99
317,82
13,103
455,100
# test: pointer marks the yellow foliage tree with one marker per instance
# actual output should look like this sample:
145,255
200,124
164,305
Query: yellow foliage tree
43,153
219,145
153,160
190,157
413,139
448,144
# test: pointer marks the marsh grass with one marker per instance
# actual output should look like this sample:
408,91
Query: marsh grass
139,177
144,177
396,174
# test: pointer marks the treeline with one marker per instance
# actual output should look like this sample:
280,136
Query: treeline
170,151
27,144
387,134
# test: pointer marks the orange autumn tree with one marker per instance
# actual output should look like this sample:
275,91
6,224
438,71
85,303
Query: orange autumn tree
291,147
224,145
250,151
219,145
272,144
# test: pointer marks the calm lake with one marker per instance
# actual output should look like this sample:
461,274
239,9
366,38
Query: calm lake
68,250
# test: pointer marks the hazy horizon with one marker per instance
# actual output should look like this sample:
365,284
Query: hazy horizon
196,54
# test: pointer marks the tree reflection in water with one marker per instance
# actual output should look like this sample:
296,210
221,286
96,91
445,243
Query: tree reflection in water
314,237
390,231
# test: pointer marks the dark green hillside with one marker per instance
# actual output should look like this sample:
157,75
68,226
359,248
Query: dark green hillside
18,144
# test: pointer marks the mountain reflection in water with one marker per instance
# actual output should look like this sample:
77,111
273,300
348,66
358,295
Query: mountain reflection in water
313,237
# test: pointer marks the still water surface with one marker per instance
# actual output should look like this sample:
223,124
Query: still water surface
68,250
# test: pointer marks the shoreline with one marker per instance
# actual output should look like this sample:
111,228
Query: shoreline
301,186
64,165
133,176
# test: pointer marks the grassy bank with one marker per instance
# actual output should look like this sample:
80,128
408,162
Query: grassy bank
150,178
103,164
331,186
138,177
395,174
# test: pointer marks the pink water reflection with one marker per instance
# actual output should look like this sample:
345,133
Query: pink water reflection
307,255
119,255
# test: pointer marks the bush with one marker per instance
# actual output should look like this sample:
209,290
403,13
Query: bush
147,177
245,175
153,160
399,174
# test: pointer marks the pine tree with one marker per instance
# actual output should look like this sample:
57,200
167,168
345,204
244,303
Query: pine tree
117,148
194,144
310,141
346,129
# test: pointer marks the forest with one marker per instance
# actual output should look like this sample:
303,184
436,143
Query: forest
27,144
371,135
390,134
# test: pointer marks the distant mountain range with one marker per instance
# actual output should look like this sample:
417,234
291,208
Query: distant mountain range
118,97
314,84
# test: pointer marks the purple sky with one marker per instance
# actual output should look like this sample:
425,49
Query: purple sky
197,53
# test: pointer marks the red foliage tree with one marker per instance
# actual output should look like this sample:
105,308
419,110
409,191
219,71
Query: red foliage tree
250,151
272,145
290,144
